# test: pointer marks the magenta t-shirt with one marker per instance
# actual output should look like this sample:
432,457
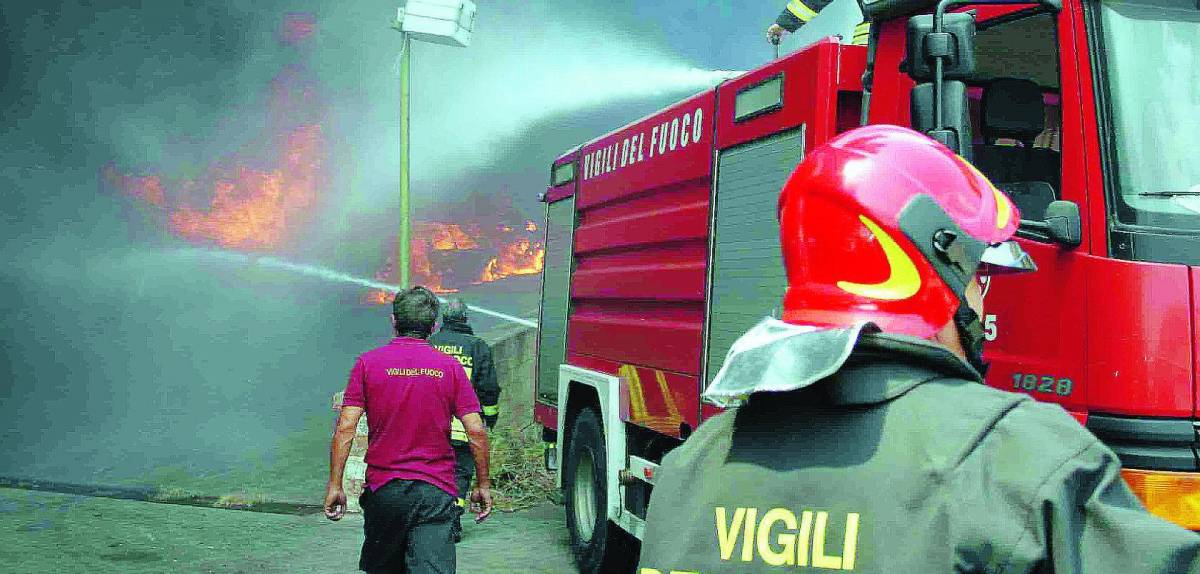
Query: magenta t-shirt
409,391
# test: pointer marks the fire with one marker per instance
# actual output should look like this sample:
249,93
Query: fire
521,258
261,196
252,209
239,207
446,237
420,273
428,239
447,256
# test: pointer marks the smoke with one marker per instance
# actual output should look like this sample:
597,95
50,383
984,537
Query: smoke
538,79
562,71
320,273
129,351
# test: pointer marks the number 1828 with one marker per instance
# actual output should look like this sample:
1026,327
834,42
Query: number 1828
1042,384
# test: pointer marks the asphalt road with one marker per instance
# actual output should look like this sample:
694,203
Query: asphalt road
50,532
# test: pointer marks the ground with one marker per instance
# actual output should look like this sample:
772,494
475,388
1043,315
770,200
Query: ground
50,532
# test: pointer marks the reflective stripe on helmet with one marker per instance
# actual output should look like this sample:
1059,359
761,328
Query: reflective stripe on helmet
903,280
1003,209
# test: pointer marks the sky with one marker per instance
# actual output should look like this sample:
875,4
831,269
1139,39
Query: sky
133,340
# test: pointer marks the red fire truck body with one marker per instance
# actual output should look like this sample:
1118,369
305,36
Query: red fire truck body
662,248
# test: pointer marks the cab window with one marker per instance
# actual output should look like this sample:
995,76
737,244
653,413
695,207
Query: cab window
1014,105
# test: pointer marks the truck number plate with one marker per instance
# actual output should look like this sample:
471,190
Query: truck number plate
1042,384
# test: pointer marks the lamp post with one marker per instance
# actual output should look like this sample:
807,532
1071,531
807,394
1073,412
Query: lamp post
448,22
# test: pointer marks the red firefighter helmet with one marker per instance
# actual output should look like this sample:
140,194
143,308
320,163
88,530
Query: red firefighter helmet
883,224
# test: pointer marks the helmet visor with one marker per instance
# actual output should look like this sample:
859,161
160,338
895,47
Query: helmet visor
1006,257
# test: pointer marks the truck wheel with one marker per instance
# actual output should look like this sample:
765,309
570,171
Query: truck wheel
599,545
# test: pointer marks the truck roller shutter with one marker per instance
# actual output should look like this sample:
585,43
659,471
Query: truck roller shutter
746,275
556,296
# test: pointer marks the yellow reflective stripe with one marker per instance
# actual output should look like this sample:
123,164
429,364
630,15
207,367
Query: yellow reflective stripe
637,400
457,431
862,33
799,10
903,279
1003,211
491,410
460,502
668,398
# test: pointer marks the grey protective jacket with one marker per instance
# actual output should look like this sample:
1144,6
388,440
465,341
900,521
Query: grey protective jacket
797,13
901,462
457,339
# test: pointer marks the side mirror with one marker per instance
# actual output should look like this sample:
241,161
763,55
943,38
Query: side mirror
954,129
1065,227
1062,224
954,45
1031,197
941,53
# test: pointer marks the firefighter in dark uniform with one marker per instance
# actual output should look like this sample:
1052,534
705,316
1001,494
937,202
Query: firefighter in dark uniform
862,438
457,339
798,13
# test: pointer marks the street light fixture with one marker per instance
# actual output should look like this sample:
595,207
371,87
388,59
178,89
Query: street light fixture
448,22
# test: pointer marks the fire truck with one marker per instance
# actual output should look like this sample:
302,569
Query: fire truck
662,244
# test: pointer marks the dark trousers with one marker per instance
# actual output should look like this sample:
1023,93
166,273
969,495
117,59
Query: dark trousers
407,526
464,470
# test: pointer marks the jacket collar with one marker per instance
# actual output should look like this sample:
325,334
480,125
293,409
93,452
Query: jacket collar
852,365
884,366
457,326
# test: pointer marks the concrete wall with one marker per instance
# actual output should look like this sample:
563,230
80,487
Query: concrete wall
513,352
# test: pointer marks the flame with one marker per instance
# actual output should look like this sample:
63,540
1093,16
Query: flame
246,208
259,197
253,209
521,258
440,251
426,237
446,237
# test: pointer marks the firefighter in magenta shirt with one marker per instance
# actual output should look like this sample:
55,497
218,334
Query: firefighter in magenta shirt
409,392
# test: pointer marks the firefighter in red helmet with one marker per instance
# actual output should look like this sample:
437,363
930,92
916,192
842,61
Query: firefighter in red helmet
862,438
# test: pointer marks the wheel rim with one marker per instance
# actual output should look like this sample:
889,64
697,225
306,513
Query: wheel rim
585,497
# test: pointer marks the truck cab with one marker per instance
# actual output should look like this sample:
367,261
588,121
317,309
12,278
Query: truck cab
662,244
1089,107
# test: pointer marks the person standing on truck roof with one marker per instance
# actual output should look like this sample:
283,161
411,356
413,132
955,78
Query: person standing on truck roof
457,339
863,438
409,391
798,13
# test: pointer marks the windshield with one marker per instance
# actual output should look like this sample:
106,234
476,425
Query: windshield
1151,60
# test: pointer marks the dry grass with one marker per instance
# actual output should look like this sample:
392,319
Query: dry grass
519,477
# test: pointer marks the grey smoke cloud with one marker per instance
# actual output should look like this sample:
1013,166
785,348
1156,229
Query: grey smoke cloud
120,358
